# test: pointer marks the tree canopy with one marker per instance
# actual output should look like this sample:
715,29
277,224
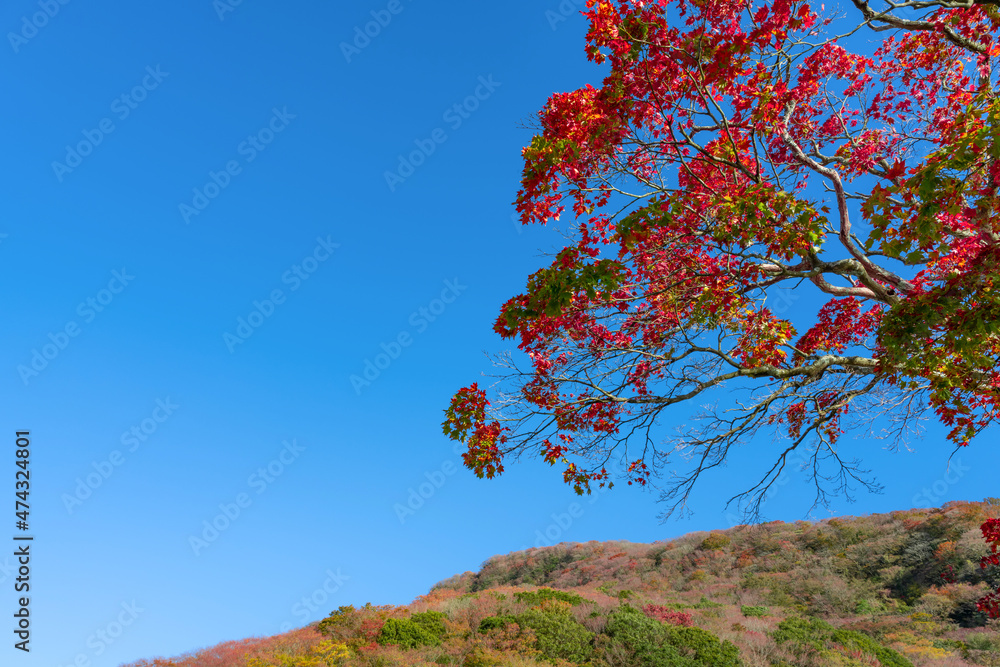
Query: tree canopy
738,152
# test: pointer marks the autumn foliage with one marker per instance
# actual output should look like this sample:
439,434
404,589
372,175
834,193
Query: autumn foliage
991,532
668,615
735,153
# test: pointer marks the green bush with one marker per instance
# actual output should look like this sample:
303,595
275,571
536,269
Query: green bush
886,656
703,646
645,638
802,633
867,607
634,629
493,622
431,621
811,633
558,635
406,633
705,603
535,598
715,541
981,642
758,610
656,644
665,655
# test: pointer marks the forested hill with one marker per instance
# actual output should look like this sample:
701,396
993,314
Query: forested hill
885,590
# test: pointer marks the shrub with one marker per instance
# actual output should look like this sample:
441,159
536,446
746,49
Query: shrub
656,644
406,633
981,641
558,634
668,615
704,647
867,607
887,657
755,611
644,638
542,594
633,628
431,621
494,622
705,603
802,634
715,541
949,644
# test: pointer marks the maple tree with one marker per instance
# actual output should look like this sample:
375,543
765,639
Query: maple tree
735,153
990,603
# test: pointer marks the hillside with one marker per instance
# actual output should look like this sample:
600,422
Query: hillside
885,590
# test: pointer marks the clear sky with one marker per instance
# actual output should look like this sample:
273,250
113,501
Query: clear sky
200,247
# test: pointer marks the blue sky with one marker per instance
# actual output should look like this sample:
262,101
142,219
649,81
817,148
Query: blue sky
201,247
